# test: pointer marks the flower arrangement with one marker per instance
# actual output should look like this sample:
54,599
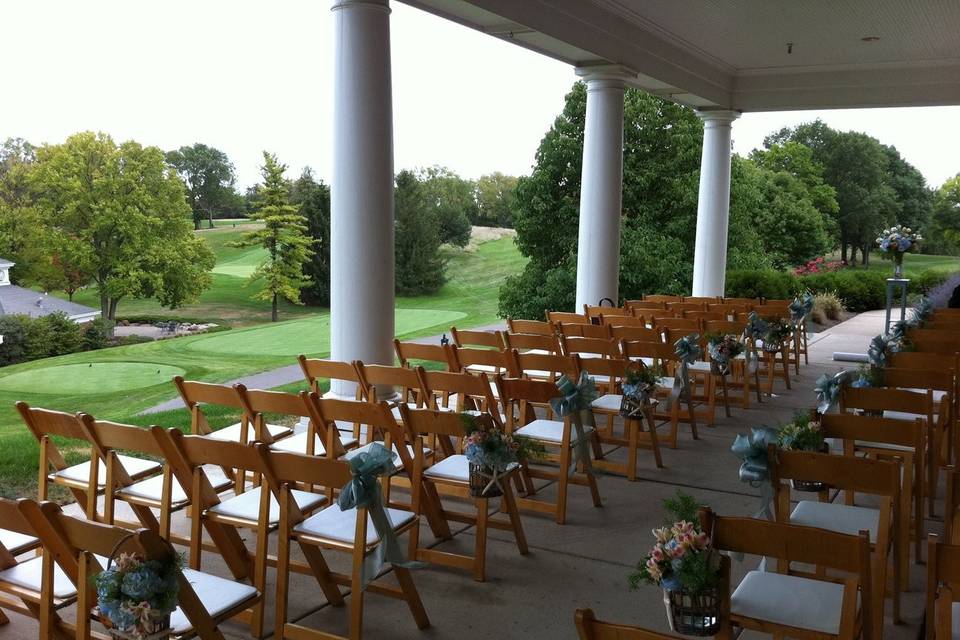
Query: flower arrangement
639,387
896,241
137,595
803,433
777,332
491,452
723,349
868,376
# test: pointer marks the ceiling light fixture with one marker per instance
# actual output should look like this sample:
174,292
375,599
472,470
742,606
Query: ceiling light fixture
870,38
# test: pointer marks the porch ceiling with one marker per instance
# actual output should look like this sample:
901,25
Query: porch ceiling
734,53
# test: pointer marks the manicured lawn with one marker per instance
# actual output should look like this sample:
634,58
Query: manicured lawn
915,263
124,380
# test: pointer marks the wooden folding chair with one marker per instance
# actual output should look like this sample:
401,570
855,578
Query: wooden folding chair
85,480
473,360
395,385
597,312
611,373
943,576
461,392
934,340
197,394
623,321
790,601
534,342
315,370
661,298
637,333
570,329
682,307
519,396
729,310
474,338
590,348
642,305
349,531
746,301
530,326
680,325
82,549
413,353
875,477
255,510
887,439
557,317
22,580
663,355
450,469
742,376
589,628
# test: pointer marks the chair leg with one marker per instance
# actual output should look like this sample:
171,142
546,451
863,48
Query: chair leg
633,445
412,596
480,548
283,583
654,442
356,603
562,484
260,582
513,513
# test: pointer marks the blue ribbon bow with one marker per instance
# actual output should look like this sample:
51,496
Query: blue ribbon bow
754,468
801,308
687,350
828,389
757,327
575,401
879,346
922,312
363,491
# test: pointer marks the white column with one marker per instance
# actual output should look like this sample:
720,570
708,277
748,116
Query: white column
713,207
601,186
361,193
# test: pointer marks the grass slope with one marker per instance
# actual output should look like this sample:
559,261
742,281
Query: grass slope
913,264
124,380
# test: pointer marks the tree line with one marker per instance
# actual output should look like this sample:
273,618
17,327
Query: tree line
809,191
120,217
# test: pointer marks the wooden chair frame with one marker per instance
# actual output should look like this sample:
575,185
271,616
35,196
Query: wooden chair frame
530,326
315,369
943,576
589,628
663,355
474,338
409,351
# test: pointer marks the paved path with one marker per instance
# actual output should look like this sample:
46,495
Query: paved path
288,374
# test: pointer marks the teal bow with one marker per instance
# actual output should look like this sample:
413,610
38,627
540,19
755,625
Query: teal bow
899,329
363,491
757,327
879,346
922,312
575,401
801,308
828,389
754,468
687,350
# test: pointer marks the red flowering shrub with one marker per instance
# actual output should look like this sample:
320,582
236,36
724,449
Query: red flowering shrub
819,265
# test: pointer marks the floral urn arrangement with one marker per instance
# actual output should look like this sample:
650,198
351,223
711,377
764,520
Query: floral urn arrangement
135,596
804,433
896,241
491,453
723,349
683,563
776,335
639,389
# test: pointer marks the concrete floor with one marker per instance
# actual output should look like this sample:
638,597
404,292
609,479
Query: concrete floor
584,563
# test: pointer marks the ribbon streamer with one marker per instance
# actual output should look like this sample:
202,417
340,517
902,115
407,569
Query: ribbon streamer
754,469
801,308
688,351
575,402
363,491
922,312
828,389
757,327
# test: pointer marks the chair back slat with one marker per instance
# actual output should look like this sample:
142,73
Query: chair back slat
109,435
199,451
848,426
877,477
194,393
637,305
530,326
380,375
592,311
553,365
623,321
472,338
643,334
407,351
297,468
584,330
465,357
524,341
887,399
43,422
556,317
590,347
315,369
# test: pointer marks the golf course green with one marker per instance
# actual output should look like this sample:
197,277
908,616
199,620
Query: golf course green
90,378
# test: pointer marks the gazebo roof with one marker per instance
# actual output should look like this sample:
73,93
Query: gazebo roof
748,55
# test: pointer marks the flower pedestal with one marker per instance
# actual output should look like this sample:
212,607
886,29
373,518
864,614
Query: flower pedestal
155,628
484,483
693,615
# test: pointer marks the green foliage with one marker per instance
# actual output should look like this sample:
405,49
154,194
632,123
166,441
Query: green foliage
927,280
800,434
496,198
860,289
682,507
827,305
451,200
97,334
776,285
944,235
419,265
283,236
536,289
119,211
209,177
26,338
313,198
14,331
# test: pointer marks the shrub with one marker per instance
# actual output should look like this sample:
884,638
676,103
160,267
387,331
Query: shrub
818,265
66,335
927,281
860,289
776,285
98,334
14,332
38,342
827,306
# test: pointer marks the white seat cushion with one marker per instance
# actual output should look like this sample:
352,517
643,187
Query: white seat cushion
454,468
29,575
397,464
937,394
699,367
837,517
395,410
246,506
17,543
135,467
789,600
217,595
334,524
297,443
903,415
883,445
546,430
474,412
152,489
483,368
232,432
607,402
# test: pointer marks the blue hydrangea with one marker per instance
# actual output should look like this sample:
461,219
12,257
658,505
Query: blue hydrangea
141,583
670,583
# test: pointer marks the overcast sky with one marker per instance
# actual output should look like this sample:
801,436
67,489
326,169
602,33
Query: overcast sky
249,75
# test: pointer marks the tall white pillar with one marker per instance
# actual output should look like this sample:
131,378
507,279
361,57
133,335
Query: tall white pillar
361,193
601,186
713,206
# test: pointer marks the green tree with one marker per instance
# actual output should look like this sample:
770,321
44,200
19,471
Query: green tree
313,198
797,160
209,177
419,265
944,232
910,187
121,210
21,230
66,335
452,200
284,236
496,197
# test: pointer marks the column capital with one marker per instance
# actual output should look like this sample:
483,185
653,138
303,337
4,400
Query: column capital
717,117
613,76
382,5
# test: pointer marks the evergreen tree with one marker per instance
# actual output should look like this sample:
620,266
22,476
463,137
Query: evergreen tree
313,197
283,236
419,265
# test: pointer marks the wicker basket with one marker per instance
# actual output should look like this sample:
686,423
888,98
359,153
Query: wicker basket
479,479
160,631
719,369
693,615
